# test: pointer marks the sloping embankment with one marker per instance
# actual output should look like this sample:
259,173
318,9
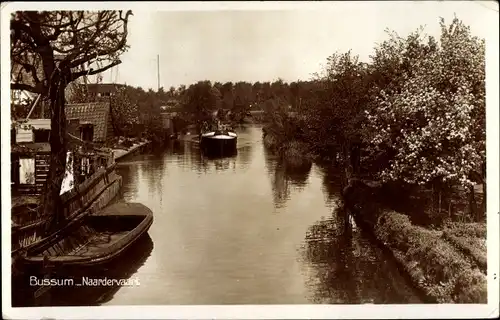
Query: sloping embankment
442,269
120,154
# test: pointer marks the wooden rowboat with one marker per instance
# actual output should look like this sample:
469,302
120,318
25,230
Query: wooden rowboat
93,239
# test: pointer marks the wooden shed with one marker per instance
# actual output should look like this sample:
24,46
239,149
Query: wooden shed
30,150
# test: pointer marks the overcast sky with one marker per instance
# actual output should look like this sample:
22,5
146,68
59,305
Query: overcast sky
266,45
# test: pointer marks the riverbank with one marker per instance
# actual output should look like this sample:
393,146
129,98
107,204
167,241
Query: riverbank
447,264
120,153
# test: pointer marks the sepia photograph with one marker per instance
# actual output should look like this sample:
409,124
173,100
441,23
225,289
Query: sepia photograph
332,159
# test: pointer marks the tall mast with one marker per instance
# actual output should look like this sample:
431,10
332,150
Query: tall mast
158,70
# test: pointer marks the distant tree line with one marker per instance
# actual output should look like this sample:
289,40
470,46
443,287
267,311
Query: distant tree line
134,107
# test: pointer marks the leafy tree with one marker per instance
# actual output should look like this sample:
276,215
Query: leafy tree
227,94
171,92
336,104
431,123
218,86
201,99
295,95
279,89
181,90
242,101
77,92
433,126
257,92
124,110
51,49
266,91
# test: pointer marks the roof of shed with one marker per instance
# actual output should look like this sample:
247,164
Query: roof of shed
96,113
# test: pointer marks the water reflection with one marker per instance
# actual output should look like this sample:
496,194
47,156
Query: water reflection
298,175
223,234
348,268
136,255
331,183
176,147
245,154
129,179
219,164
285,176
156,168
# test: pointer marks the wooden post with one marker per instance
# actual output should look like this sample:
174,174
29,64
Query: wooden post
158,67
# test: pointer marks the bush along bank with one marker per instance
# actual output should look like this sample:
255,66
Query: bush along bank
294,152
447,265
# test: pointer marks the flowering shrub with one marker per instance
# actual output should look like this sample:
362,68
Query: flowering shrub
433,121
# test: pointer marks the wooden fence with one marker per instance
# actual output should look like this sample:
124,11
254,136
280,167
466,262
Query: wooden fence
94,194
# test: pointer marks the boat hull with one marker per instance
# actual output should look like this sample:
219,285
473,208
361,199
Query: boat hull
215,146
95,240
78,292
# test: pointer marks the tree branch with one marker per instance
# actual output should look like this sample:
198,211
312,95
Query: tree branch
25,87
91,72
75,52
30,68
102,52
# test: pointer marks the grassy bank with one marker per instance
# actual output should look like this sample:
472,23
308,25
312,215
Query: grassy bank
448,265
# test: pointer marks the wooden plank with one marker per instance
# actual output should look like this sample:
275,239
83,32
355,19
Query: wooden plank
24,135
40,123
28,189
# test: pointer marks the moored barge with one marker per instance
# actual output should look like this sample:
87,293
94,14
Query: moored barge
220,142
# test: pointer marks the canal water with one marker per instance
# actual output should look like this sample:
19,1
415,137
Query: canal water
243,230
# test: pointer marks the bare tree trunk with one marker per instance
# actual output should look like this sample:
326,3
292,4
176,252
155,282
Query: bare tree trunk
439,202
346,166
53,206
432,199
472,204
483,202
355,158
